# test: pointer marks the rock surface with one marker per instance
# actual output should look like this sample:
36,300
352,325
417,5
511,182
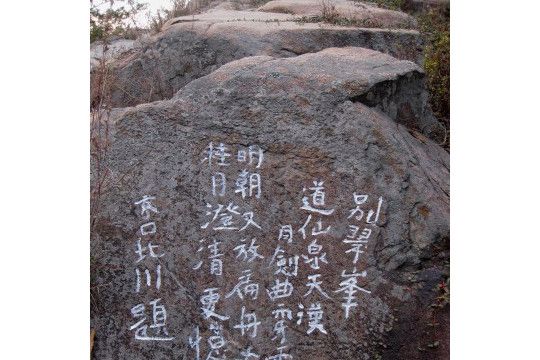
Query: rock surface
99,50
193,46
311,118
369,15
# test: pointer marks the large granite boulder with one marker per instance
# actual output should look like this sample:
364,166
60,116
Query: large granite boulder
193,46
273,207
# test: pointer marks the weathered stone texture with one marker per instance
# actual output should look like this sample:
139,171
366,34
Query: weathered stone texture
309,115
193,46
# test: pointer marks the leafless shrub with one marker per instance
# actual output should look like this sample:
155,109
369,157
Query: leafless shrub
100,92
177,8
329,13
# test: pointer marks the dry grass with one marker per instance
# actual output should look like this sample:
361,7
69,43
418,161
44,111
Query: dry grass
100,90
99,145
435,29
329,13
177,8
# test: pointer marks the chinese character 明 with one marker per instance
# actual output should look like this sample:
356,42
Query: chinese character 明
254,153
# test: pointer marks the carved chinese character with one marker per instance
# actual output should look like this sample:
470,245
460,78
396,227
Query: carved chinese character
148,278
349,287
248,184
158,326
151,251
147,206
209,300
315,314
248,322
245,287
314,284
216,154
281,289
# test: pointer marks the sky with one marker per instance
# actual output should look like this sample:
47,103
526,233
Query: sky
142,19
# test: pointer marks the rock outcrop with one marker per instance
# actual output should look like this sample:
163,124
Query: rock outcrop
361,13
309,141
193,46
108,52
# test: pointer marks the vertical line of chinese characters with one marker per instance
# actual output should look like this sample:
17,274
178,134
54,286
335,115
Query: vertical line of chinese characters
229,217
312,229
315,206
147,275
357,240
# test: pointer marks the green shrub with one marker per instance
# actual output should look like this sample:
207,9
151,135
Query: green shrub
435,29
